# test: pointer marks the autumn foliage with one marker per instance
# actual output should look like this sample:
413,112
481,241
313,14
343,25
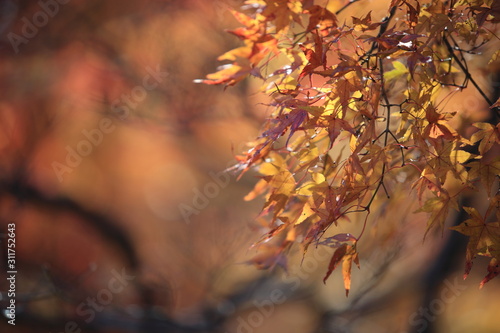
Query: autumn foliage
358,107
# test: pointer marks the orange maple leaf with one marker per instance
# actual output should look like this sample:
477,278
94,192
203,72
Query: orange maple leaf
487,134
347,254
484,238
438,125
438,207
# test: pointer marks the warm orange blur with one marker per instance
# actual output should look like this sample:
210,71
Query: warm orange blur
112,159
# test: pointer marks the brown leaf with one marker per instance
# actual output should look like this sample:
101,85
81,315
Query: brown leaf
350,257
438,207
321,19
336,258
493,271
365,23
228,74
316,57
487,134
486,172
483,237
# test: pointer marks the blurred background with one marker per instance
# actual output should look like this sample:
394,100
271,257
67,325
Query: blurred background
113,171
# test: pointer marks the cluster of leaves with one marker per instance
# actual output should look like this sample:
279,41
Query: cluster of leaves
357,106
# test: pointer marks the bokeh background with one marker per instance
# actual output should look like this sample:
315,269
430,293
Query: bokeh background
113,162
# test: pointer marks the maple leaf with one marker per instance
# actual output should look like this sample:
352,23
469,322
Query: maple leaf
275,204
307,192
252,29
418,58
338,239
273,232
336,126
315,58
253,156
337,256
487,134
262,47
282,12
493,271
344,89
440,22
307,212
281,183
487,172
449,157
483,237
321,19
350,257
307,157
484,14
389,41
427,180
239,52
318,183
347,254
398,71
229,75
438,207
292,120
330,199
438,124
346,65
365,23
259,188
413,13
